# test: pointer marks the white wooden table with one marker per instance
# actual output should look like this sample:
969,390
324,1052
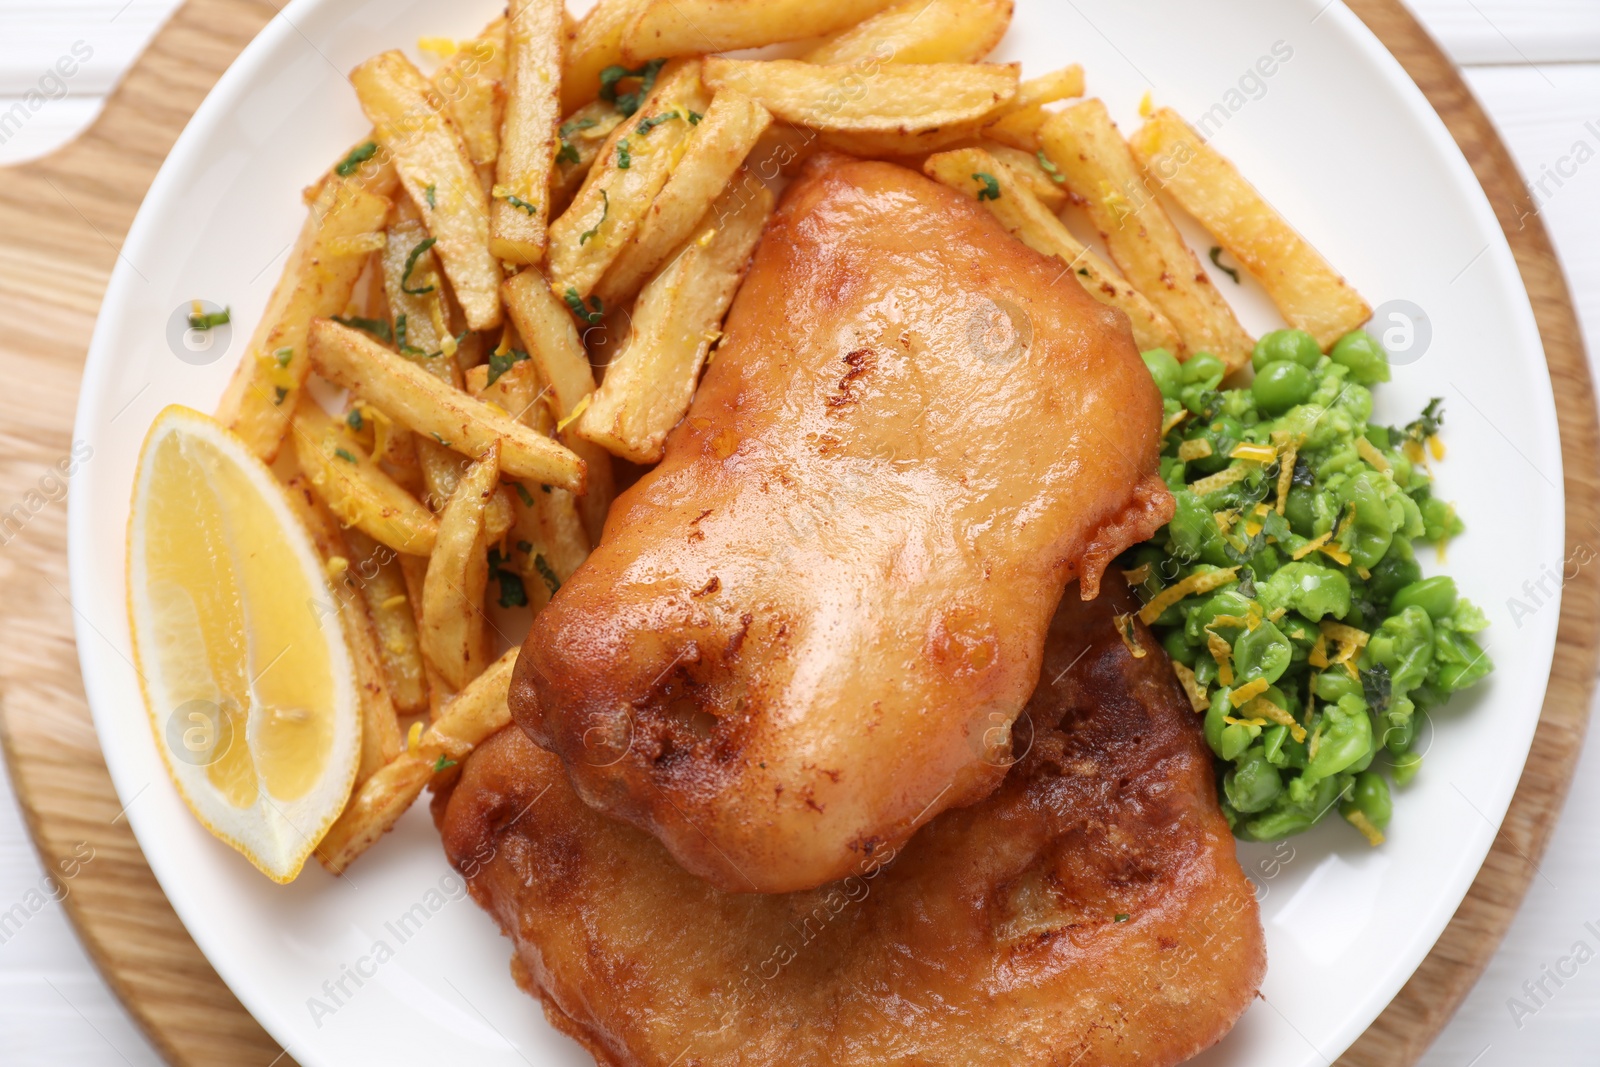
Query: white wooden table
1535,64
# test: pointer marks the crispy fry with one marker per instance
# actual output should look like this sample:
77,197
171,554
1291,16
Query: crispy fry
632,168
377,573
470,82
1308,291
1036,226
691,27
721,142
437,171
1018,123
452,632
921,31
553,343
423,403
678,317
317,281
582,136
592,46
380,730
520,211
419,321
477,713
902,99
1099,167
355,489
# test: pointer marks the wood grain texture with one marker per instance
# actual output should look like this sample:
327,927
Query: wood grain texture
62,223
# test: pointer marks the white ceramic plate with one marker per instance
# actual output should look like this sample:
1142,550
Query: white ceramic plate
396,958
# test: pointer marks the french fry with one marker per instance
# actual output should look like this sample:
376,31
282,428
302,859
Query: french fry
419,322
921,31
1019,122
379,578
1311,295
380,729
632,168
582,136
693,27
721,142
1099,167
677,318
905,98
1038,227
477,713
318,280
520,210
592,46
355,489
452,631
423,403
553,343
470,81
437,171
1028,170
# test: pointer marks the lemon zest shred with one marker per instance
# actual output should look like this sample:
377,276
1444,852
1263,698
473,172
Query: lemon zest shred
414,737
1130,638
1360,821
1254,452
1263,708
577,413
1173,420
1220,480
1190,586
1138,575
1286,474
1311,546
1222,652
1248,692
1335,553
1436,446
1191,687
1231,721
1374,458
1199,448
1318,656
398,600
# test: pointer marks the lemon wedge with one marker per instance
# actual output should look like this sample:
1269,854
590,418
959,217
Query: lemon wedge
244,664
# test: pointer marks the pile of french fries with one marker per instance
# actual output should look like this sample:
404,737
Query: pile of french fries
522,271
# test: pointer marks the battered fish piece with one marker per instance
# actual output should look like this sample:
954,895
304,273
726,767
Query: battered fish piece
1090,912
804,633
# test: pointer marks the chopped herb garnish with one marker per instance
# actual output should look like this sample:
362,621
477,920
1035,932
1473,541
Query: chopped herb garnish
356,157
279,394
513,594
1377,687
1303,475
376,327
211,320
991,186
1083,272
645,126
284,356
1050,168
429,194
1431,422
575,302
441,440
605,212
442,763
344,455
545,489
628,103
411,265
1120,917
354,420
624,157
1232,272
499,364
400,338
527,502
568,154
695,117
545,572
1247,581
524,547
518,202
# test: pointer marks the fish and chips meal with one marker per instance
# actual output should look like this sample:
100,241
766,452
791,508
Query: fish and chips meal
842,569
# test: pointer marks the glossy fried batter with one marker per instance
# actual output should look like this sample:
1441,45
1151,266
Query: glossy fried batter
1091,911
804,633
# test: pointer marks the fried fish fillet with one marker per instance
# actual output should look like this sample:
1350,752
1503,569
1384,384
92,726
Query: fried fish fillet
1091,911
804,633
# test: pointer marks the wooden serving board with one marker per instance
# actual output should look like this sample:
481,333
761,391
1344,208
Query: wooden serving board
61,223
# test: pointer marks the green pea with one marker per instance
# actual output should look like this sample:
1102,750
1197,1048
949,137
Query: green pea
1363,355
1301,510
1403,643
1298,808
1295,346
1213,725
1253,783
1166,370
1236,737
1404,767
1372,531
1346,737
1436,596
1311,589
1282,385
1179,649
1203,368
1330,686
1227,602
1461,663
1396,570
1262,653
1369,795
1440,521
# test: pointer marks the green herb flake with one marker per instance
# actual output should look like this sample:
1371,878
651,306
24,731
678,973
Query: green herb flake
575,302
280,393
991,186
521,204
359,155
513,594
605,212
523,546
1050,168
628,103
1232,272
441,440
1121,917
411,265
545,572
527,502
499,364
442,763
376,327
284,356
1430,423
344,455
646,125
624,157
354,420
211,320
695,117
430,195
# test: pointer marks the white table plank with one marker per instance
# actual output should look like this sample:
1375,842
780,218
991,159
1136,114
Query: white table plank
1514,31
